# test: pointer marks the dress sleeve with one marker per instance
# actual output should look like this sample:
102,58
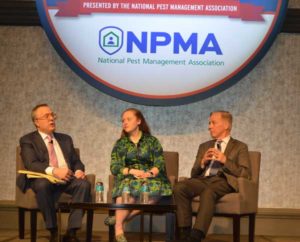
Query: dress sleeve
158,158
118,159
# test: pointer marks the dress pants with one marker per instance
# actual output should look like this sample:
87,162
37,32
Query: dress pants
47,195
210,189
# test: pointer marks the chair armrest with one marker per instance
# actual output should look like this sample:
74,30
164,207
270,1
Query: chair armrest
249,193
172,180
248,189
182,178
91,179
111,183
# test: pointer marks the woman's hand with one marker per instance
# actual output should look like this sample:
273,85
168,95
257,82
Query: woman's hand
137,173
147,174
151,173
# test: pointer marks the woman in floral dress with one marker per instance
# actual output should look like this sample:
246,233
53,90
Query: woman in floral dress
136,157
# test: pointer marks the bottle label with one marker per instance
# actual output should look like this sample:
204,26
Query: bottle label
144,188
144,197
99,188
126,189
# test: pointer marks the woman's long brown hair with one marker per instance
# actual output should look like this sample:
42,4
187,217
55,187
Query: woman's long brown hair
143,126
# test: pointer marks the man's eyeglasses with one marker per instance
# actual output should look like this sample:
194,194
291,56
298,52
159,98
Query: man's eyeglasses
47,116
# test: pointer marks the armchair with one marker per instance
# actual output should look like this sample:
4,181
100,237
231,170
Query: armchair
241,204
27,201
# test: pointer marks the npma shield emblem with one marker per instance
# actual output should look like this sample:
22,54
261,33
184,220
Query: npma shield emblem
111,39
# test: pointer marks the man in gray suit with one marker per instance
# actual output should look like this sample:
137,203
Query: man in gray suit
52,153
218,164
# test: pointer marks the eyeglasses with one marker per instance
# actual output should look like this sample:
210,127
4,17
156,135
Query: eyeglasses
47,116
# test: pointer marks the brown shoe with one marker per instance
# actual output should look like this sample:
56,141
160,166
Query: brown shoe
184,233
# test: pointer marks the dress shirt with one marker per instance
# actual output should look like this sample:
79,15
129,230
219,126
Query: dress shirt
58,152
223,147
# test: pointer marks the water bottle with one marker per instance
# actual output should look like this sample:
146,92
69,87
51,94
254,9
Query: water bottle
126,192
144,196
99,191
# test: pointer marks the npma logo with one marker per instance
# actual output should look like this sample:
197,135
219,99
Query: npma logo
111,39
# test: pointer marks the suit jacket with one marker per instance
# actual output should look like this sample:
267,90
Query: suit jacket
35,155
237,161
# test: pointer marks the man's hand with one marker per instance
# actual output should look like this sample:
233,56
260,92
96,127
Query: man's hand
215,154
212,154
219,156
206,158
79,174
63,173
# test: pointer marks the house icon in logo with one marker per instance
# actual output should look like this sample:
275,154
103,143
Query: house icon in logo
110,39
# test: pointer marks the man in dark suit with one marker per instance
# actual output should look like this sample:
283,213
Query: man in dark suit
218,164
53,153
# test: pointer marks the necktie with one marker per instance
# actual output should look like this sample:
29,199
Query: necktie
219,142
215,165
52,155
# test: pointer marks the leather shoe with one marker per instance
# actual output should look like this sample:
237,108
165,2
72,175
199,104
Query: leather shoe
184,234
192,239
70,238
196,236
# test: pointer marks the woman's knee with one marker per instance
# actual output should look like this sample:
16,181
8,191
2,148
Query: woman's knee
154,199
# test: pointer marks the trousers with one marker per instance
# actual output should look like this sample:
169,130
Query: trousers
47,195
210,190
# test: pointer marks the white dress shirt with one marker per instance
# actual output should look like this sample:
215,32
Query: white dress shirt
60,157
223,147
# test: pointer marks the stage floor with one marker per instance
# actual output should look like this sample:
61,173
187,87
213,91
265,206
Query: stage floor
43,236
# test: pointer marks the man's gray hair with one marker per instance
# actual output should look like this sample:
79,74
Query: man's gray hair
225,115
33,111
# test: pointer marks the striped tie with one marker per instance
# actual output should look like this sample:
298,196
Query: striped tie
216,165
52,155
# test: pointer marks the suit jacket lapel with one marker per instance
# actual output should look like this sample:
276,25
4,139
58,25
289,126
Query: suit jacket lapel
63,147
38,140
229,147
212,144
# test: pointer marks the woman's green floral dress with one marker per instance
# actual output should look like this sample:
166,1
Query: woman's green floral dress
146,154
